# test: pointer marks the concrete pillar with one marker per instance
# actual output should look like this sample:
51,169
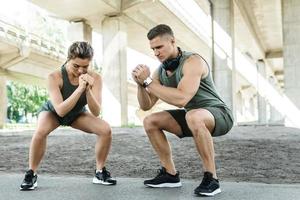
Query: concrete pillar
3,101
291,49
275,116
222,74
261,102
79,31
114,73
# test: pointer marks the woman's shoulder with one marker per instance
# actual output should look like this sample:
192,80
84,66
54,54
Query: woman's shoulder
94,74
55,74
55,77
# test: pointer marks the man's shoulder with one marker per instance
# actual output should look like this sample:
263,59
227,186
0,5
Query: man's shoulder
193,55
188,53
193,58
196,60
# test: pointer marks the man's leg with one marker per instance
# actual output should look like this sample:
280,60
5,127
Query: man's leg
153,125
201,122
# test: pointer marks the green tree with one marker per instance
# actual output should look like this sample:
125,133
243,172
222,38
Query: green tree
24,99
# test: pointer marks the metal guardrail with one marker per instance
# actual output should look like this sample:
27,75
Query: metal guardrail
19,36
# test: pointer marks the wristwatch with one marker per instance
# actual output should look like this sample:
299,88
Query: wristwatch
147,82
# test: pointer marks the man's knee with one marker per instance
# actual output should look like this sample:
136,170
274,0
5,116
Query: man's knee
195,122
150,123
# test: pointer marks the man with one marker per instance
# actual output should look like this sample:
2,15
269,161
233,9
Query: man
183,80
70,89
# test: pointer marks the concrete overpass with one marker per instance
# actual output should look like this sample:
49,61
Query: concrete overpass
26,58
250,46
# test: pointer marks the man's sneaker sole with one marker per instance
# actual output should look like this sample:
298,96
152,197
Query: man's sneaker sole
217,191
162,185
97,181
31,188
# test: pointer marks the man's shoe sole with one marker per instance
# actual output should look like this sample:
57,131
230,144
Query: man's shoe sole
217,191
31,188
97,181
167,185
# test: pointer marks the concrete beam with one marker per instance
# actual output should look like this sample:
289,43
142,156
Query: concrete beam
5,59
23,78
251,24
79,30
126,4
279,73
10,59
274,54
116,4
245,87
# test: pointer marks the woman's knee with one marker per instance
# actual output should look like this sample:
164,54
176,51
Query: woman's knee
104,129
41,134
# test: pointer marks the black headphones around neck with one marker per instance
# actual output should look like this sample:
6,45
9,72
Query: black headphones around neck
172,63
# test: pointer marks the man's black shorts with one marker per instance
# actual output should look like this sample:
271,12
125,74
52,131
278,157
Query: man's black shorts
222,115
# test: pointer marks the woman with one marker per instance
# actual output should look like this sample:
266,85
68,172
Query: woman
70,89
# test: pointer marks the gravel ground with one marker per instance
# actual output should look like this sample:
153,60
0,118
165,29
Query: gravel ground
247,153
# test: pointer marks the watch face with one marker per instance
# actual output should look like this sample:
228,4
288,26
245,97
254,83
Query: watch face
147,81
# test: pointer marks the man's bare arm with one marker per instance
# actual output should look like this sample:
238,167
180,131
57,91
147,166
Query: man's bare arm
146,99
193,70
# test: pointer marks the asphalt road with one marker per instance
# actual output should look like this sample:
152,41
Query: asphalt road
69,188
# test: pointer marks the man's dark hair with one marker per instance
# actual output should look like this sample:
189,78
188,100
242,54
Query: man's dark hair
81,50
160,30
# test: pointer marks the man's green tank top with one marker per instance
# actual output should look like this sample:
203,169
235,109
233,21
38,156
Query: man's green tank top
66,91
206,95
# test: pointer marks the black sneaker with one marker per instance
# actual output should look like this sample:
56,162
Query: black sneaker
164,179
104,178
209,186
30,181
